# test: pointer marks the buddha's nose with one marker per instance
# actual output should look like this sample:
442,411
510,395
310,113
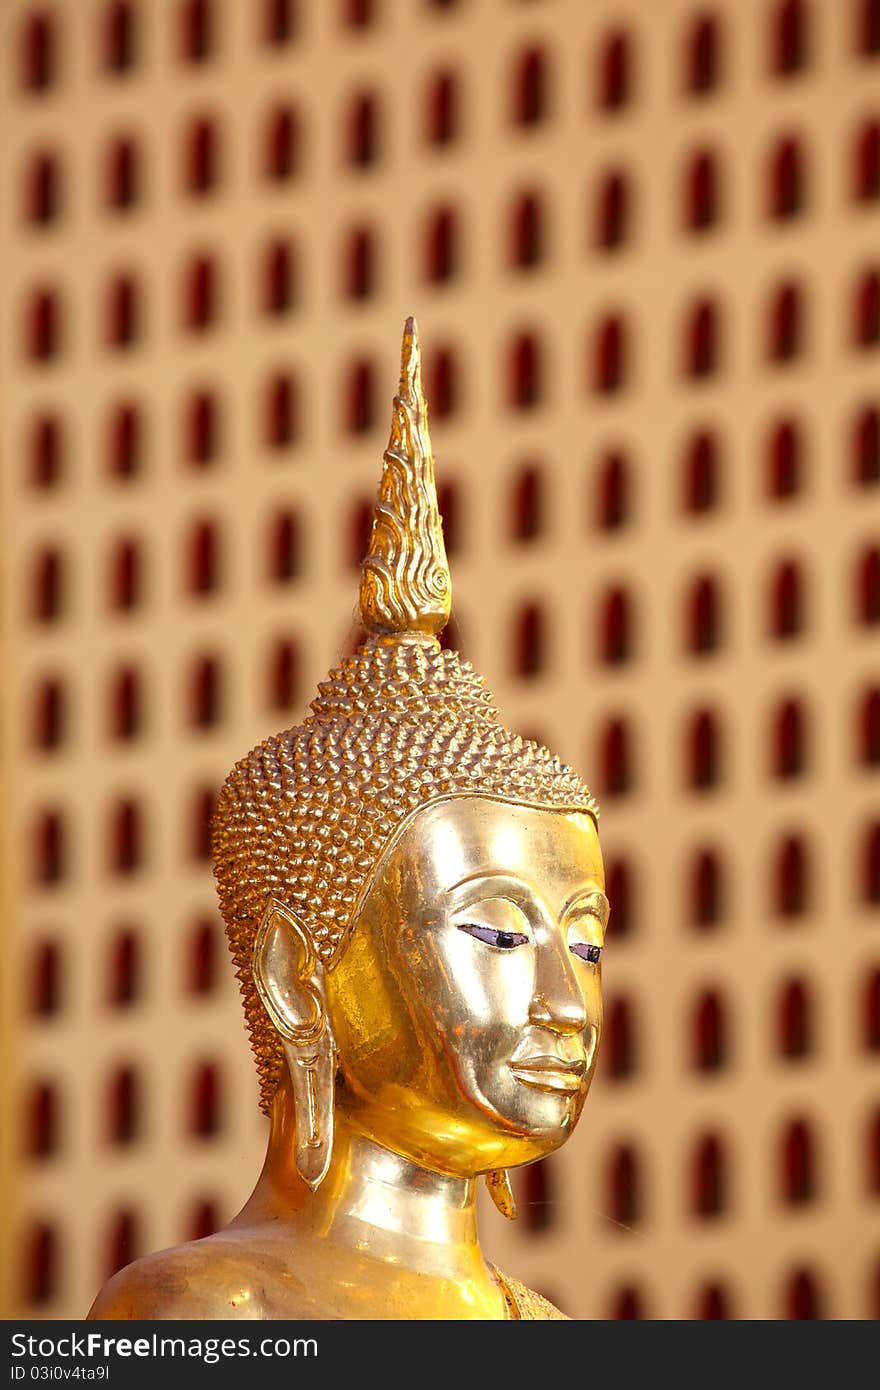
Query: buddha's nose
557,1000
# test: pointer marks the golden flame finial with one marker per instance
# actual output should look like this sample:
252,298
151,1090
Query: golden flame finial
405,582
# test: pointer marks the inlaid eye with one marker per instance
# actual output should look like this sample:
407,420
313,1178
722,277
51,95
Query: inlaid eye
585,951
503,940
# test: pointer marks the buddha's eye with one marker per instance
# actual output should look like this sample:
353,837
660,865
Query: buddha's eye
585,951
504,940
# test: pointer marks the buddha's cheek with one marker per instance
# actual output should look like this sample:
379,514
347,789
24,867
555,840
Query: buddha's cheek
474,1000
474,1003
376,1036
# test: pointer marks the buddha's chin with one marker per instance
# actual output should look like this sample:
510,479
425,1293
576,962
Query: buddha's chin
501,1124
538,1098
547,1116
536,1120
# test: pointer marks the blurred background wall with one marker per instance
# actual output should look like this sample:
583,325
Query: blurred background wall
642,243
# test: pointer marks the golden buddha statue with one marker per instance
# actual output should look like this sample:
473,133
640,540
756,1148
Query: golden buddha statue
414,902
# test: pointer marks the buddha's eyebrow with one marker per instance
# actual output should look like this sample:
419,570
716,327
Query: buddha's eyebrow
499,877
518,888
584,899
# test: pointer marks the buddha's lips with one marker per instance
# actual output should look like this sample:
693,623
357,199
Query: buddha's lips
549,1073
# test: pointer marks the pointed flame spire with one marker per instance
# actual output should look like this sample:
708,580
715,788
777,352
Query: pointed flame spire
405,581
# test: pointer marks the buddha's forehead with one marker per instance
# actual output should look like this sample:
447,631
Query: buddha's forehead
554,851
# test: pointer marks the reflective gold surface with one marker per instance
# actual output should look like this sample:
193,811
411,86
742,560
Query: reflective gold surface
414,901
305,817
465,1029
463,1054
405,583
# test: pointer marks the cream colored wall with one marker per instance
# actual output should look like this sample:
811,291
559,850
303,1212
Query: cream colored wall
583,1258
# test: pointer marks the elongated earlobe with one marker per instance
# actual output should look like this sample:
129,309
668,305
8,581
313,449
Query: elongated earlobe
290,980
501,1192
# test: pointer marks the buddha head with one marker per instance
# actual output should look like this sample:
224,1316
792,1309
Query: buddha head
413,895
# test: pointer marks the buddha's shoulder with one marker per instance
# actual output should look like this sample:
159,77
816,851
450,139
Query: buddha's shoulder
222,1276
525,1304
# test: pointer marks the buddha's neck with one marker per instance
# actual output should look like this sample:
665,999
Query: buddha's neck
380,1206
375,1195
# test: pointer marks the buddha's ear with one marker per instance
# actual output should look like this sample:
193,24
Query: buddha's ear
288,975
290,981
501,1192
